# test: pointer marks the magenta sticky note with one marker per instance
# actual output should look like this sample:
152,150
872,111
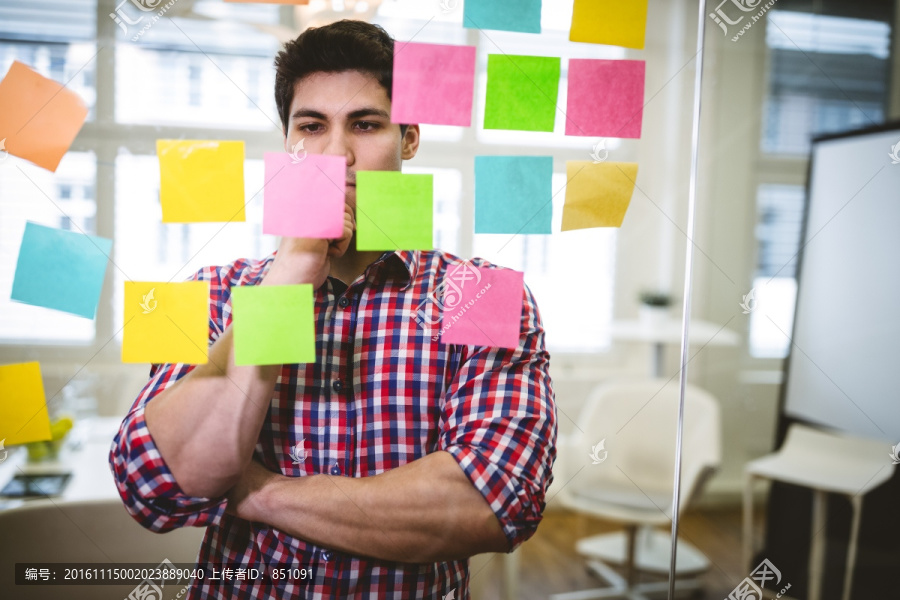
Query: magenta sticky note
433,83
606,98
304,195
489,310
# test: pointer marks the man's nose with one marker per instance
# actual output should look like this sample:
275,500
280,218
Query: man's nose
339,144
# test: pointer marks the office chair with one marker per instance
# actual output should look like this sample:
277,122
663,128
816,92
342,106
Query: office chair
620,465
97,531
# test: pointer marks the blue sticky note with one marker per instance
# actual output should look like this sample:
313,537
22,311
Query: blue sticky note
513,194
505,15
59,269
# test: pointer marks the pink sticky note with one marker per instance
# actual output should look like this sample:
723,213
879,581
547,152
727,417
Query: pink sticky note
606,98
433,83
304,195
489,309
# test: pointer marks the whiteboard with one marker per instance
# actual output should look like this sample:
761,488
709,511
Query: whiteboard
844,366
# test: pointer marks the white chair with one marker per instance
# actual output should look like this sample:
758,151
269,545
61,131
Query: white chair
57,531
825,462
630,481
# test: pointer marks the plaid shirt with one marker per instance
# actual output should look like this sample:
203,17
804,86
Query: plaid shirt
382,393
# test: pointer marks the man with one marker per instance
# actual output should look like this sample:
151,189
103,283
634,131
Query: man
379,469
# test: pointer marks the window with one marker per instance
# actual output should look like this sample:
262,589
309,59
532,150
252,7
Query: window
826,74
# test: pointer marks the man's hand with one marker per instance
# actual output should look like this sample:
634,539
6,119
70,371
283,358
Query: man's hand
303,260
244,499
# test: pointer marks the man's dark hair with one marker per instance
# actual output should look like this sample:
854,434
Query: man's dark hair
340,46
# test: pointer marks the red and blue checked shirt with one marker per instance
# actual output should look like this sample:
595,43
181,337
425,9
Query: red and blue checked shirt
383,392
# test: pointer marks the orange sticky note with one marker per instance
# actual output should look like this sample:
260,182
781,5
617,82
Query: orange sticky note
39,118
166,322
597,194
23,406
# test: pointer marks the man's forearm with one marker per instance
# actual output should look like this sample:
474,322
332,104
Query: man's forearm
207,423
425,511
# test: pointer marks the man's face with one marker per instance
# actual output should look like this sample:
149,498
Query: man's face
348,114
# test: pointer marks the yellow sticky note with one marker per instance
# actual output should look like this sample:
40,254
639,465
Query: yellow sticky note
201,181
597,194
23,406
166,322
613,22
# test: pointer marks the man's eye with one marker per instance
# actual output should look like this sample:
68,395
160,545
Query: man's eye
367,125
309,127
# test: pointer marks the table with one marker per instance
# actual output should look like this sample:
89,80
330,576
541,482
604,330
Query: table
85,454
668,331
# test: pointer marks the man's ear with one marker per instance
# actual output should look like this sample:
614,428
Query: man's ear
410,142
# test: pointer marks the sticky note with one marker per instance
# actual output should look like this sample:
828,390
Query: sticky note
39,117
273,324
504,15
521,92
201,181
597,195
394,211
489,312
433,83
612,22
166,322
60,269
304,195
513,194
606,98
23,406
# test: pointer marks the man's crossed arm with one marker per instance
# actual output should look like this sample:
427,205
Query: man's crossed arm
425,511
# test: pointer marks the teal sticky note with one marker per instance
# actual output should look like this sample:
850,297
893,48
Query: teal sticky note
59,269
513,194
273,324
521,92
394,211
504,15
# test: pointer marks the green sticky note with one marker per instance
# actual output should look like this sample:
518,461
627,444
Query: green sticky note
273,324
521,92
394,211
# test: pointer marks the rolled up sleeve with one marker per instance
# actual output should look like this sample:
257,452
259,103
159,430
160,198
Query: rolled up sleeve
147,487
500,425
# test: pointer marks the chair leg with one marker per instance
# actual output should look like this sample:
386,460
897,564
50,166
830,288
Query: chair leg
856,501
630,570
817,545
748,522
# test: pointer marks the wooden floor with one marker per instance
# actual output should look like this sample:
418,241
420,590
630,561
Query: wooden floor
549,563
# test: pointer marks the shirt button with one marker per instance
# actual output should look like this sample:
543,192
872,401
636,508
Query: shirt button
337,385
335,470
327,554
344,302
